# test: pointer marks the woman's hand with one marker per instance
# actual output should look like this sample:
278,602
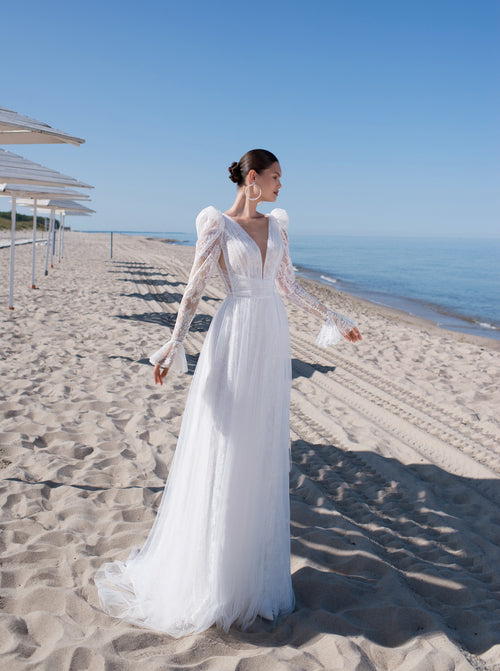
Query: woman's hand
353,335
159,373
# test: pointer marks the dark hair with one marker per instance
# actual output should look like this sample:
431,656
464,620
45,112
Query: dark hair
255,159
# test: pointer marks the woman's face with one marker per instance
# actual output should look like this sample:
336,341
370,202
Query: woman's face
269,181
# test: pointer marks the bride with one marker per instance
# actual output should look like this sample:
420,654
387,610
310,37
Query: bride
219,549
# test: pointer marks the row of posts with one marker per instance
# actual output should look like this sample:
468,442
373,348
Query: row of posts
51,245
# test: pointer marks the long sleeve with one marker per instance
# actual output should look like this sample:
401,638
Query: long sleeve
335,325
209,226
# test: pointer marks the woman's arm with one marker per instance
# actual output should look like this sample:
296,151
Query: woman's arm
208,250
335,325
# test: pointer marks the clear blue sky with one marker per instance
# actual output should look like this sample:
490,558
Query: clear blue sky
384,114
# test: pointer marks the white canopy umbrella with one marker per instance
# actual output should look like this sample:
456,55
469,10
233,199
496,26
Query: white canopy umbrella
15,169
51,207
59,205
20,129
69,213
36,193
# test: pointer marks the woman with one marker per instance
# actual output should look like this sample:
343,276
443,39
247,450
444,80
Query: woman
219,548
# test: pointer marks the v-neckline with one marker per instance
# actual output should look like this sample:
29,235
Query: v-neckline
262,261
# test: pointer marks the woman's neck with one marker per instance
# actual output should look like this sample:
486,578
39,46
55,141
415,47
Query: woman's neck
243,208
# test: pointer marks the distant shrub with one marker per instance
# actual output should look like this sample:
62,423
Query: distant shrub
23,221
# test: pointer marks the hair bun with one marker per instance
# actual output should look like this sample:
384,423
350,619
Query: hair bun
235,172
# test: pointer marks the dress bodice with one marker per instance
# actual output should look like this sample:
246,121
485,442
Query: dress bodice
243,258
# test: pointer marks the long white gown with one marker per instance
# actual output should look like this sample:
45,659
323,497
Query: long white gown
219,549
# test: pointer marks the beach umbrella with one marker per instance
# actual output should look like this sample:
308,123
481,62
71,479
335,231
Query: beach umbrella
20,129
69,213
62,227
62,207
39,191
15,169
40,195
17,128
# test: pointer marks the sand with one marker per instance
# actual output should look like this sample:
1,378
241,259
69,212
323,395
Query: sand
395,491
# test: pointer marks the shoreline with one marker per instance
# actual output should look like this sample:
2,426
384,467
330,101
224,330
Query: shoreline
390,312
440,316
394,314
409,318
308,275
433,313
338,288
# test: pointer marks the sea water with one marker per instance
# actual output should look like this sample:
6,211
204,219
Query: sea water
455,282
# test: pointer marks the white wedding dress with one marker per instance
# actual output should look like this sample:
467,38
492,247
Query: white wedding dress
219,549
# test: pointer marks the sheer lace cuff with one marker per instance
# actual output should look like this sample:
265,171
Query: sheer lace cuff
172,355
333,330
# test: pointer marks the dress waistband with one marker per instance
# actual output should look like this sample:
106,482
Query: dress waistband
245,287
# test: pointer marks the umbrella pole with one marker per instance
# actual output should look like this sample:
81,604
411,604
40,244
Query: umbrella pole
62,239
33,251
53,240
49,239
59,239
12,253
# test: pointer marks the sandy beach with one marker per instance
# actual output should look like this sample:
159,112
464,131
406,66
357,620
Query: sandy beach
395,490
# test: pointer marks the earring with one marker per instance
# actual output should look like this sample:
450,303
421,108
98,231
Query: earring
249,186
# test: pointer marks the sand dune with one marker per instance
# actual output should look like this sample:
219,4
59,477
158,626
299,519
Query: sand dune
395,490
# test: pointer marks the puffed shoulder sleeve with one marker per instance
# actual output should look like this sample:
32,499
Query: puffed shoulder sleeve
209,227
209,222
281,216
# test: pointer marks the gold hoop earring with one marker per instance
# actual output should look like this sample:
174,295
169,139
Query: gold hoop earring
249,186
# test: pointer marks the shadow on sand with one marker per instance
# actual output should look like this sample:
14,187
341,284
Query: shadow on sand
388,558
200,323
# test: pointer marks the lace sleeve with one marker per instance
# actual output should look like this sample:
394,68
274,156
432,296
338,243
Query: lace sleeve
335,325
209,226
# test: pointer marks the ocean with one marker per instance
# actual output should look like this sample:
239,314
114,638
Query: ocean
455,282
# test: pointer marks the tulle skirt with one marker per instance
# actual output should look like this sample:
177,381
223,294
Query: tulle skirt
219,549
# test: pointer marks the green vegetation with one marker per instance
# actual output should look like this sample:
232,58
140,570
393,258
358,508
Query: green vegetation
24,222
